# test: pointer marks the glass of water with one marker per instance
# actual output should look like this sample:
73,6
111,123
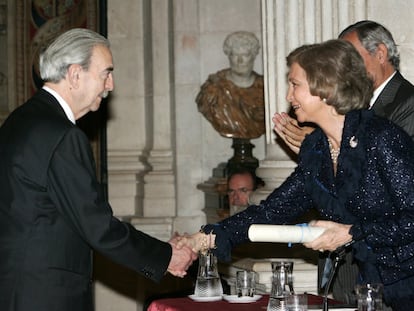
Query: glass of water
369,296
245,283
208,283
297,302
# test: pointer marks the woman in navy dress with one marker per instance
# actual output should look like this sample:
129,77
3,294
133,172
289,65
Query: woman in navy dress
356,168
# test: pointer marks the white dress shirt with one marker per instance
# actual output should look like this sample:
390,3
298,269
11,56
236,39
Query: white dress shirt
379,89
63,103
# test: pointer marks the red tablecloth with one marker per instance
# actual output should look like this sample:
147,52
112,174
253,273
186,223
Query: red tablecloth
186,304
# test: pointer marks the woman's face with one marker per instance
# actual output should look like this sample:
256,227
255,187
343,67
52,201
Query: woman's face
241,61
306,106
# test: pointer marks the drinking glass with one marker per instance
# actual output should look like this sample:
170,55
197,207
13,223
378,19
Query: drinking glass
297,302
282,285
369,296
208,283
245,283
282,279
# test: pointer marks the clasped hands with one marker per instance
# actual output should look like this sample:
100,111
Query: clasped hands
185,249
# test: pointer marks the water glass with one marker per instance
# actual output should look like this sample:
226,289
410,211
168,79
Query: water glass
208,287
208,283
369,297
245,283
282,279
277,304
282,285
297,302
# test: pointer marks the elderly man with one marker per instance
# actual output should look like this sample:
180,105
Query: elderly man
53,212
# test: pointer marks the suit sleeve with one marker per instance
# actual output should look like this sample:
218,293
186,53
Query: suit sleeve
78,196
404,116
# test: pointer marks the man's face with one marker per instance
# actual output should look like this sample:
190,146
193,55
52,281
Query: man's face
372,63
240,187
96,82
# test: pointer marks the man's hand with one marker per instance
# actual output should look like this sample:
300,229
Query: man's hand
290,131
181,259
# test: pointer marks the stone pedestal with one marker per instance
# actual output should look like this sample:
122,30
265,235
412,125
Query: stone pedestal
243,156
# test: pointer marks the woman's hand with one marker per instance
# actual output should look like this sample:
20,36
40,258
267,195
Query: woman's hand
334,236
290,131
198,242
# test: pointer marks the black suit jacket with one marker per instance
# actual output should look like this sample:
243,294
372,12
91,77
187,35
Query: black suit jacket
53,214
396,103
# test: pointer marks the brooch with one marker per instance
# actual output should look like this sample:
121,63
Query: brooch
353,142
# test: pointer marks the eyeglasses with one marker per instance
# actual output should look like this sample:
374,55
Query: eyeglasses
238,191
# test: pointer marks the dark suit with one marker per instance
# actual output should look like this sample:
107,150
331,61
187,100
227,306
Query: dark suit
53,214
396,103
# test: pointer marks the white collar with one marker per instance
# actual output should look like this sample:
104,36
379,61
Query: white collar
379,89
62,103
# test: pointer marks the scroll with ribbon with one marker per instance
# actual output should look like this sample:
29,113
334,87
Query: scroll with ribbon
301,233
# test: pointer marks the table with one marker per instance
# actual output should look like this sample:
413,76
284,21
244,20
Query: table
187,304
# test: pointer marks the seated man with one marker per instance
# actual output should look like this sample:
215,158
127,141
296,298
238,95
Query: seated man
240,185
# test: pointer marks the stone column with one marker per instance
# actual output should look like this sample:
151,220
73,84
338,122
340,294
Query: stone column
127,128
189,152
159,188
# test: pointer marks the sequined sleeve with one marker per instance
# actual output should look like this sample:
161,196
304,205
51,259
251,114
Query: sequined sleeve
282,206
393,154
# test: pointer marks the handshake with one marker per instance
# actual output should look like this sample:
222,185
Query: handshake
185,249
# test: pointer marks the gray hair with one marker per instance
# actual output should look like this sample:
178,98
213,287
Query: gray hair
74,46
372,34
241,38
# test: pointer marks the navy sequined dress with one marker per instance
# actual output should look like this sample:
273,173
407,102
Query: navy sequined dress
373,190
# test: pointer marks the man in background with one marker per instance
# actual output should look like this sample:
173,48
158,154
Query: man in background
240,185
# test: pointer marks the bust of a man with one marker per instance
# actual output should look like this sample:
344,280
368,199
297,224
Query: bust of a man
232,99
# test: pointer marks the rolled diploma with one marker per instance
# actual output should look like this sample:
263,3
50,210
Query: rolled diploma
284,233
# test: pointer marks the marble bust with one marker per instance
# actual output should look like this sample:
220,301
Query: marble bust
232,99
